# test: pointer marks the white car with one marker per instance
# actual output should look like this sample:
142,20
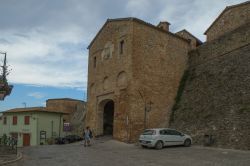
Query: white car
160,137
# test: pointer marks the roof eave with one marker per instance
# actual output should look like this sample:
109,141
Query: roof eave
133,19
198,40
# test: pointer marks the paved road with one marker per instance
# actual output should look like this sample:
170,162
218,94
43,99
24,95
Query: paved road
106,152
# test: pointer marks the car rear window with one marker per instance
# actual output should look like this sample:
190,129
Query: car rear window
149,132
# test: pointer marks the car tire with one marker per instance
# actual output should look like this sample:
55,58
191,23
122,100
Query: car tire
159,145
187,142
143,146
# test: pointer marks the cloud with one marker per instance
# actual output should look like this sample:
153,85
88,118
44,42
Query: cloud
37,95
42,59
46,40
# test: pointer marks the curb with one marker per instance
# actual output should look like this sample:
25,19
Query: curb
19,156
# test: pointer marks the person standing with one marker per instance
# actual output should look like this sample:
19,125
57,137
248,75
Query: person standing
87,136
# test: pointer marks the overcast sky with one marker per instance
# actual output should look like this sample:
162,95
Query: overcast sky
46,40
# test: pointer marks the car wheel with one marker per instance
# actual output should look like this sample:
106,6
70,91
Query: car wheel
143,146
187,142
159,145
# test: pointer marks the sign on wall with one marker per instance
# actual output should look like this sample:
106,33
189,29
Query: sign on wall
67,127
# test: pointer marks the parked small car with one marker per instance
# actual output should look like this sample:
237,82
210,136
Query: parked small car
160,137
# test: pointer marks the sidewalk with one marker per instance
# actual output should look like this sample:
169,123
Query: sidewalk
6,159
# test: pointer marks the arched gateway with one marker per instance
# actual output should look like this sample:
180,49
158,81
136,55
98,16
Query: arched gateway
106,117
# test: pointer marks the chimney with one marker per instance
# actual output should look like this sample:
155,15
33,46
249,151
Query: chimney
164,25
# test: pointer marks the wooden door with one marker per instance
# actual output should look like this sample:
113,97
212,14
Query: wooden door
26,139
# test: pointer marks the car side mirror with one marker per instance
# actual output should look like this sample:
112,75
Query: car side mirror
182,134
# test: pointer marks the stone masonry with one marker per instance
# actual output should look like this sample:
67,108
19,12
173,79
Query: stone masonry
215,99
138,66
231,18
66,105
147,77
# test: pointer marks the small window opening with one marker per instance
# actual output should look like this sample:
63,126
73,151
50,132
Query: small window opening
5,120
95,62
121,46
14,122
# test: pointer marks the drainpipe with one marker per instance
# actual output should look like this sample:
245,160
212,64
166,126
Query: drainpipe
60,125
37,130
52,125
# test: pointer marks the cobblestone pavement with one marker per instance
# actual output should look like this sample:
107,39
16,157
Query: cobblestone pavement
107,152
4,158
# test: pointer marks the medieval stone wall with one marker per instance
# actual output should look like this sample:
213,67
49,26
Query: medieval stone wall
110,78
229,20
213,97
77,119
68,106
152,63
190,38
159,60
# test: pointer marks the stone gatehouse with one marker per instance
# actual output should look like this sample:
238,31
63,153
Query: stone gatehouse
134,73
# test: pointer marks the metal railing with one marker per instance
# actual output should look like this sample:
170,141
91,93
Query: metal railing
8,145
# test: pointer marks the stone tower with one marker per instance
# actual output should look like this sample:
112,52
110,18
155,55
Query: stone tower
133,76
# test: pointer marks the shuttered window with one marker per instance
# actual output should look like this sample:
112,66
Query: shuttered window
14,120
26,120
5,120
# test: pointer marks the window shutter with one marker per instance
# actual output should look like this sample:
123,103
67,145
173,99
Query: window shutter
27,120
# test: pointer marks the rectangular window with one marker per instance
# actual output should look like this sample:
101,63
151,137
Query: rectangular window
26,120
5,120
121,46
14,122
95,62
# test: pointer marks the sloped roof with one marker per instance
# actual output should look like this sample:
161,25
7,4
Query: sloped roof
184,30
137,20
226,9
31,109
69,99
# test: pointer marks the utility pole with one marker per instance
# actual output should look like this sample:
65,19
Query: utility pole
4,66
5,88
